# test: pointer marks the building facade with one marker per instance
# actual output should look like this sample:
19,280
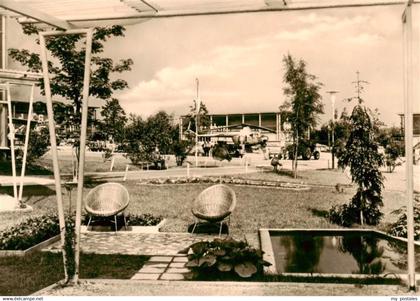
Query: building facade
270,123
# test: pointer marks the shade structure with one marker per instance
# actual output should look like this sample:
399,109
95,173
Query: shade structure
68,14
72,14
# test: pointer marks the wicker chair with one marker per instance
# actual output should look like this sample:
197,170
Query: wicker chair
214,204
106,200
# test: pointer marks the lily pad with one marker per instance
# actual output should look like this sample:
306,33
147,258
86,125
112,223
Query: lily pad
210,260
192,263
245,269
199,247
224,267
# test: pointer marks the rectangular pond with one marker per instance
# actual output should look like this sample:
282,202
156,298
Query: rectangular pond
335,252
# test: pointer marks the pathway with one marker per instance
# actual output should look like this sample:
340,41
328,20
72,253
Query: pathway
153,244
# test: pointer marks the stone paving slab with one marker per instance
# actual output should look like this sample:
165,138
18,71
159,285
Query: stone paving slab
154,244
180,259
150,270
141,276
172,277
177,271
177,264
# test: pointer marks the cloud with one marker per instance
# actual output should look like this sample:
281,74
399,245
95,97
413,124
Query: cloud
174,87
245,74
364,38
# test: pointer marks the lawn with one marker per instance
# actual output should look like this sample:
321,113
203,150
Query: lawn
256,207
21,276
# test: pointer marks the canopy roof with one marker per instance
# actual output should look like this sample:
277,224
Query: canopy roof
68,14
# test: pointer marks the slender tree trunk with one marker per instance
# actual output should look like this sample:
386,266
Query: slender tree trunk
295,158
361,217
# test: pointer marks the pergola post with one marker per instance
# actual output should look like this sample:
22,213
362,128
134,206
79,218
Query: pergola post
25,149
83,134
53,143
409,81
12,139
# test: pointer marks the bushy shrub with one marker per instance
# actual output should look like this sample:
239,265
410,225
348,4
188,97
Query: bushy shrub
38,144
29,232
225,256
399,228
143,219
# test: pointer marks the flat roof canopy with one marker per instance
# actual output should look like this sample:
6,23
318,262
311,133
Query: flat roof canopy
67,14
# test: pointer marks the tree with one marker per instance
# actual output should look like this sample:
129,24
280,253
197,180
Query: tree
203,117
303,104
392,140
67,69
362,156
145,137
114,120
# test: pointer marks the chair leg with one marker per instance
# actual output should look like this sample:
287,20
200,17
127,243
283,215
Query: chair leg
195,225
90,219
125,222
220,230
116,226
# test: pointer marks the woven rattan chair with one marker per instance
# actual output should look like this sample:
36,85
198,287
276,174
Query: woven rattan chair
106,200
214,204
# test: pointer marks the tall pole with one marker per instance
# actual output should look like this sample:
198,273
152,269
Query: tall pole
25,149
332,97
83,134
409,79
54,152
3,107
197,111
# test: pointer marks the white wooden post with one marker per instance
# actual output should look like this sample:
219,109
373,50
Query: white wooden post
25,150
12,140
126,172
409,83
83,134
53,142
188,169
112,162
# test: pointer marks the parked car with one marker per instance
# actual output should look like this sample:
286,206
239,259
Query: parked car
306,150
322,147
275,149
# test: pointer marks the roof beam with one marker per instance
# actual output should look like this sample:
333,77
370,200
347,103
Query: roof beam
152,6
34,14
273,7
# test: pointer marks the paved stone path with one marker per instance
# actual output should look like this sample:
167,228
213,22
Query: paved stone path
160,244
164,268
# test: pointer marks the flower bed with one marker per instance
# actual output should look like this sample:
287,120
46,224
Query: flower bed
28,234
226,180
143,223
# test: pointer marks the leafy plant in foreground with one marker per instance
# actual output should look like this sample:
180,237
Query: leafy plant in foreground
225,256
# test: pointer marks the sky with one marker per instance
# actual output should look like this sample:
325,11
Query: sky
238,60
